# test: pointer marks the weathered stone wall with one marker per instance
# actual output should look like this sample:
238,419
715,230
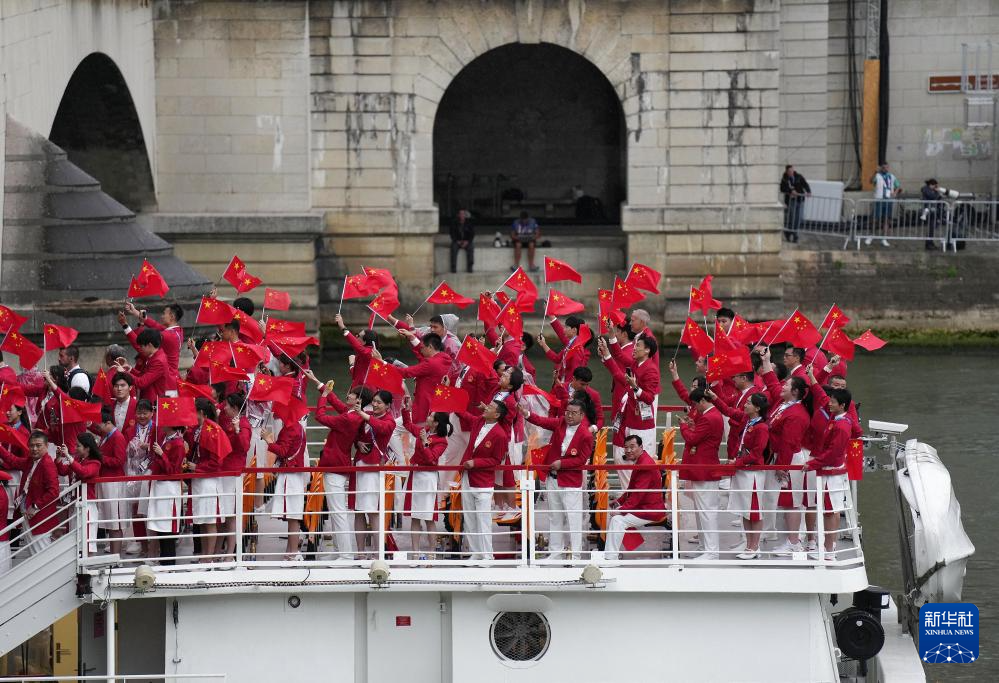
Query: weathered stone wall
901,288
804,106
232,106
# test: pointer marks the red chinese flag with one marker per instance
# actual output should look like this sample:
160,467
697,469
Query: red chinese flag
237,276
292,411
502,298
520,282
27,353
293,345
249,356
869,341
799,330
358,287
444,294
222,372
213,439
609,318
834,318
744,332
268,388
556,271
11,395
579,341
644,278
102,386
79,411
249,328
58,337
560,304
724,343
855,460
701,301
192,390
212,351
214,312
385,303
11,436
488,310
378,278
837,342
535,390
148,282
10,321
475,355
696,338
525,302
708,298
276,300
277,327
728,363
624,295
381,375
510,319
448,399
176,411
632,539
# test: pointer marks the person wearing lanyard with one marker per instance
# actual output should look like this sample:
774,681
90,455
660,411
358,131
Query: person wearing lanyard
138,457
371,450
38,491
486,448
830,464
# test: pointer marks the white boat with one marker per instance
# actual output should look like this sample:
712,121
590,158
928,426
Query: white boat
657,614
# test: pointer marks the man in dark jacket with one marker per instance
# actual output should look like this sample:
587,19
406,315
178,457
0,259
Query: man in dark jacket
462,234
795,188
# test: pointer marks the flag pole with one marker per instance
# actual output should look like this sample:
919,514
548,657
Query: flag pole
544,315
821,343
425,300
828,314
342,291
767,331
690,297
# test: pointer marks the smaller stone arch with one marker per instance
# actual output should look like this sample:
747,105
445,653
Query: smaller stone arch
98,127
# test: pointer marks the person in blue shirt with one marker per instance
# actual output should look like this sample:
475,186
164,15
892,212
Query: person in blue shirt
524,233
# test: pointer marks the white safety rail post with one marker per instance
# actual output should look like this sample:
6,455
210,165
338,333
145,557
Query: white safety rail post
527,519
674,493
238,523
820,543
82,531
382,522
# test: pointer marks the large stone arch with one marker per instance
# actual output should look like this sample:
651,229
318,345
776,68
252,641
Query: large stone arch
98,127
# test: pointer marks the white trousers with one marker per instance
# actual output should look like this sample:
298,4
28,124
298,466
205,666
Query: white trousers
704,495
648,437
457,443
768,501
565,517
335,486
477,521
619,523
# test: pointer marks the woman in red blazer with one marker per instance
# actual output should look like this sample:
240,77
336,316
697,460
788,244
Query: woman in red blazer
85,467
421,485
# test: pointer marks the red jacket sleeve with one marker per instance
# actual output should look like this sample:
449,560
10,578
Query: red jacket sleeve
698,433
154,371
549,423
773,387
615,370
560,331
681,391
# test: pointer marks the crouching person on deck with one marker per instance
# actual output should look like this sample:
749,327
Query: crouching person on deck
643,501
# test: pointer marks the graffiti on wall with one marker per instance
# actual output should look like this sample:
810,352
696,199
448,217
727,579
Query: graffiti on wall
960,143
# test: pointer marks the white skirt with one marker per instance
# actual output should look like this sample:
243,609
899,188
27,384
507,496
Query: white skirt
114,512
792,495
232,488
165,506
366,490
423,496
740,494
288,501
142,509
206,500
837,488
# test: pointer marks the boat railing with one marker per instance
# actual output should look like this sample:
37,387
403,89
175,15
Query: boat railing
504,527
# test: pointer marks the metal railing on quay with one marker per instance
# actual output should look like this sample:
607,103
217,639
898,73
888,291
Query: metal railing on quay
407,519
901,219
821,216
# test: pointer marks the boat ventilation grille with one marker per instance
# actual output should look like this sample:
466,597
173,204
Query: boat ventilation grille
520,636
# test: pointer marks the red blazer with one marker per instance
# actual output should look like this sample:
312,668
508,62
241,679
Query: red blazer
736,418
428,373
172,460
113,454
154,379
701,443
578,454
562,393
480,387
647,376
82,470
240,443
489,453
42,491
377,432
648,504
787,431
289,449
566,361
172,341
831,459
510,352
754,444
362,359
423,456
344,431
204,460
622,354
129,412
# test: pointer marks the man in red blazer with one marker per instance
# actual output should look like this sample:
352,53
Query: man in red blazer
153,380
642,503
702,437
570,448
487,446
123,403
830,464
38,492
171,333
637,414
434,364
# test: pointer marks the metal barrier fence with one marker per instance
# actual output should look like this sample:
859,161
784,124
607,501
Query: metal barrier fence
948,224
460,525
25,538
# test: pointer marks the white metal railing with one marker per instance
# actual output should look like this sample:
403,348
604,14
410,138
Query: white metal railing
113,678
517,534
23,542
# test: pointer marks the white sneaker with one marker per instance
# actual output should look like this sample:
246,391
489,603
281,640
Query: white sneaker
694,538
787,549
868,241
132,548
884,243
749,555
707,556
811,547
